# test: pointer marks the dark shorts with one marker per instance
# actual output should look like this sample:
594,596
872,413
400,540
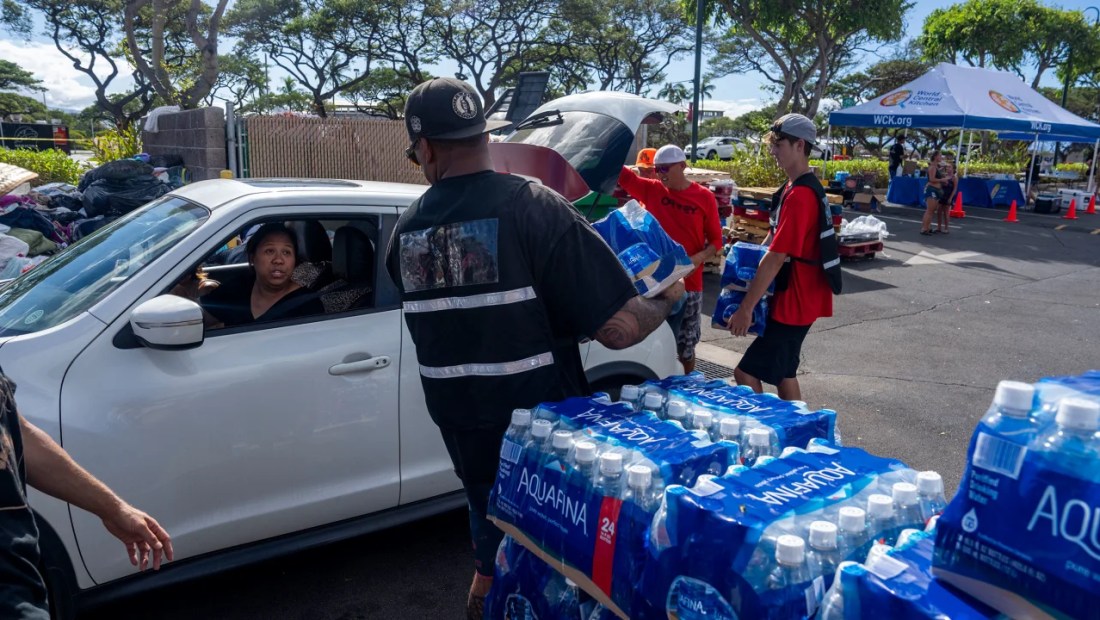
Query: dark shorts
774,356
476,457
931,191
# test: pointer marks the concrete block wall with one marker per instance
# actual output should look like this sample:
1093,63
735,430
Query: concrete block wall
198,136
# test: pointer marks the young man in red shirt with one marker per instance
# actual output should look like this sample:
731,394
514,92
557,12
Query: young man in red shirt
796,235
688,212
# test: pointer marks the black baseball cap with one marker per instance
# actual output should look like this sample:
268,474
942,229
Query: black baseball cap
446,109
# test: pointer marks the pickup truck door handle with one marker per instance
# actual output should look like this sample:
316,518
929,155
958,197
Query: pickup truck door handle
367,365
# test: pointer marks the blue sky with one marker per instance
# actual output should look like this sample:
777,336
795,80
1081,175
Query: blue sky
68,88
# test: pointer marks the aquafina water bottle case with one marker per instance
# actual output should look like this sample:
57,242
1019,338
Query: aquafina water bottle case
1023,532
586,508
652,259
752,543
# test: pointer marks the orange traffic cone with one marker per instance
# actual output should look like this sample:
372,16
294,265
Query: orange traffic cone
1072,213
1092,205
958,210
1012,213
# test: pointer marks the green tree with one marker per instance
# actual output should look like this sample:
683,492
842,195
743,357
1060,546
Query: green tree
287,97
89,34
625,44
799,46
174,46
326,46
384,93
981,33
30,109
720,126
240,77
674,92
492,42
13,77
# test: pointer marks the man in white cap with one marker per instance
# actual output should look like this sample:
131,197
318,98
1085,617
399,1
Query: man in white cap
499,278
688,212
801,259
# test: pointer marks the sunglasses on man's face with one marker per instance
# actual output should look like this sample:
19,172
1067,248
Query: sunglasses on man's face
663,169
411,153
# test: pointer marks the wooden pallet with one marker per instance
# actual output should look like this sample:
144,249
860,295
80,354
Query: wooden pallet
859,250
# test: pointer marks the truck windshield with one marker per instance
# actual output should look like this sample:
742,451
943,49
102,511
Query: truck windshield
89,270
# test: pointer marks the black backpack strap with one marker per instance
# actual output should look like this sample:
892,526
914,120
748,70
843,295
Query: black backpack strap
830,254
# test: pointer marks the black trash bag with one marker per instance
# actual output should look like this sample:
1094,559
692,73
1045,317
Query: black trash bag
119,170
72,201
115,198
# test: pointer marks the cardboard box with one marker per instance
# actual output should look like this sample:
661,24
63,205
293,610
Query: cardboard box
865,201
909,167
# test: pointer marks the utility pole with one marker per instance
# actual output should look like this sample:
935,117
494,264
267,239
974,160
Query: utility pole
695,111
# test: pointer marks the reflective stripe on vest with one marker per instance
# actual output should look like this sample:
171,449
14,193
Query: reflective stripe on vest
471,301
488,370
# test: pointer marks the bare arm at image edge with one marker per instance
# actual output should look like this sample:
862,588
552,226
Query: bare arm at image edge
638,318
51,470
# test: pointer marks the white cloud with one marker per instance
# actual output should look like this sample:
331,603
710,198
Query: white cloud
733,107
65,86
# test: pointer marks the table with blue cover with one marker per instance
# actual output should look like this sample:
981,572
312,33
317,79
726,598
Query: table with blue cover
976,192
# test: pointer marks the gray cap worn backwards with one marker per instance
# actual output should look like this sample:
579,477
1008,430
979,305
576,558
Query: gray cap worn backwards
446,109
796,126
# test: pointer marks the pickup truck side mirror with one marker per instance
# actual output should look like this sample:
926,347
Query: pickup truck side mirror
168,322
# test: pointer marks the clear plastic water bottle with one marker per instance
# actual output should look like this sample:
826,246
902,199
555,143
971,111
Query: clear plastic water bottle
881,519
678,412
824,555
932,500
907,505
1009,414
789,450
519,431
569,605
1071,445
790,560
631,395
832,606
852,531
820,446
736,469
584,459
759,442
540,435
729,429
654,403
639,487
703,420
610,481
562,443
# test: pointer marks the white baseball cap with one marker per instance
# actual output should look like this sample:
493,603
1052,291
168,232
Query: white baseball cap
669,154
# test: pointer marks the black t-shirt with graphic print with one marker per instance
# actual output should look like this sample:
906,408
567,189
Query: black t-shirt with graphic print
500,278
22,591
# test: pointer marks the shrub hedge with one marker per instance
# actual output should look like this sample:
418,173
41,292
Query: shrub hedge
52,165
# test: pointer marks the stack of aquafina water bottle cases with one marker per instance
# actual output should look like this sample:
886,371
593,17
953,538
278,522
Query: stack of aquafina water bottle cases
738,271
581,481
766,541
1023,533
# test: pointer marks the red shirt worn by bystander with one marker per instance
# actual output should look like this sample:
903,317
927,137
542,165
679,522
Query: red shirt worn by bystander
808,296
689,216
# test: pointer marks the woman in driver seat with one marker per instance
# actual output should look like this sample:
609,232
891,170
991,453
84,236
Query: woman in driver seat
269,294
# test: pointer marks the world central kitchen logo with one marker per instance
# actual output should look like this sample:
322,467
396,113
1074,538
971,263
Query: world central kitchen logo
896,99
1003,101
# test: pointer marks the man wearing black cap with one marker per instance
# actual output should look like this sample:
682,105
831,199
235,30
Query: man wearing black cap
897,154
800,231
499,279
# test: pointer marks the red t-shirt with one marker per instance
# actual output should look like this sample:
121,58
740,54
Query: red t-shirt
808,297
689,216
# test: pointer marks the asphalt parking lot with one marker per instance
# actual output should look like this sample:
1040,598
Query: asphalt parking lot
919,340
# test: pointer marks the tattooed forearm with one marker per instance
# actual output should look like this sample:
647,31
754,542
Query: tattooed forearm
634,321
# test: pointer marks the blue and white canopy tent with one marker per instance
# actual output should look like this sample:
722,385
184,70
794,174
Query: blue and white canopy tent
954,97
